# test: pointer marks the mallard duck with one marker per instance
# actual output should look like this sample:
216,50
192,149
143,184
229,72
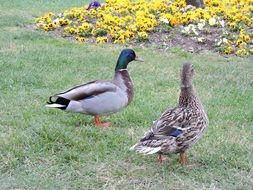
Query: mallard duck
178,128
100,97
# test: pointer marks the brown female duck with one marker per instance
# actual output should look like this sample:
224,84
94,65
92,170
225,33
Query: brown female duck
178,128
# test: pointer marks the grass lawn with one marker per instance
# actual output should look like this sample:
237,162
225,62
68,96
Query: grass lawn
44,148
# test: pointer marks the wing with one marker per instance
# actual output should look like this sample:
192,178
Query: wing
172,123
87,90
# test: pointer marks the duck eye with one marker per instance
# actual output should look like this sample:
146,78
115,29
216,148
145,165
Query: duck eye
132,55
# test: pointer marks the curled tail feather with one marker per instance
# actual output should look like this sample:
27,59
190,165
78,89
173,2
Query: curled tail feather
59,102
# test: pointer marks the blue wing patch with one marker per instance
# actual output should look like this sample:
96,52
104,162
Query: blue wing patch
175,132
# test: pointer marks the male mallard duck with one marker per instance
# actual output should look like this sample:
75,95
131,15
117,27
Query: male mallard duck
178,128
100,97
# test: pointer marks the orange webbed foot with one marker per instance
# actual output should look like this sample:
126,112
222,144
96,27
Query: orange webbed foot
100,124
161,158
183,163
105,125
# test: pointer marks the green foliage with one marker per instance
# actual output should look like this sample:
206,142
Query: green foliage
101,32
42,148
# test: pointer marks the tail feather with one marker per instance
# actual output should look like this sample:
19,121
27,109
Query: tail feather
146,145
145,149
59,102
55,106
154,150
133,147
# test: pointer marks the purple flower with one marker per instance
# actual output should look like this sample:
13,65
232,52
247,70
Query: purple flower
94,4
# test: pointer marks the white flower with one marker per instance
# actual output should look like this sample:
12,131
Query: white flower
60,15
212,21
56,21
225,40
202,20
201,39
182,10
164,20
219,42
222,23
186,29
193,29
201,26
190,29
189,7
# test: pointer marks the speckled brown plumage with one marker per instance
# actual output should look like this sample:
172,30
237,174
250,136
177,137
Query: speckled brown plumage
178,128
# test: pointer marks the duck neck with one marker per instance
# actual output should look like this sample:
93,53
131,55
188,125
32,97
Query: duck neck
188,97
122,80
121,64
122,73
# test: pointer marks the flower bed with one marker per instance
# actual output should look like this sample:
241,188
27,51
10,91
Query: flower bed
125,21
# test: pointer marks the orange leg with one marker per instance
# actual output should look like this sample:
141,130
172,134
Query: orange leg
100,124
182,161
161,158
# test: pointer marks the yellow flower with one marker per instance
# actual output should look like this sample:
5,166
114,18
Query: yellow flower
50,14
143,35
129,34
85,26
40,25
241,52
228,50
101,15
80,39
50,26
239,42
72,30
93,12
243,45
46,28
81,17
245,38
232,25
124,20
120,39
128,18
132,28
173,21
66,29
242,31
101,40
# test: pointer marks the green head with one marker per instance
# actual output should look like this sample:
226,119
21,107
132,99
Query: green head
125,57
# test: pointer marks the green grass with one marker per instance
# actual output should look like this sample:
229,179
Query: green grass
49,149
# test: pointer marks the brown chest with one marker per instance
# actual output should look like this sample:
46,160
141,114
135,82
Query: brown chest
128,85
